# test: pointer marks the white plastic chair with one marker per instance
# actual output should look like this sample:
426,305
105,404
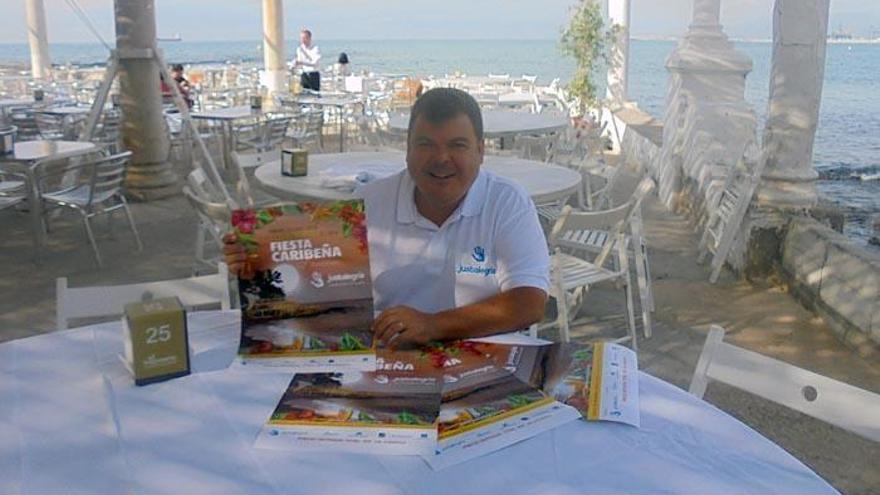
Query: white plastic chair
110,300
729,209
571,275
823,398
214,216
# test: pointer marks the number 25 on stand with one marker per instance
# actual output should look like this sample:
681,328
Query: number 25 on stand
156,344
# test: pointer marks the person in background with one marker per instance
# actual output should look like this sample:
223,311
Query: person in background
308,59
182,85
342,67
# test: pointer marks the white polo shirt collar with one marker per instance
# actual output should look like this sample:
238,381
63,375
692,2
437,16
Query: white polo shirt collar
471,206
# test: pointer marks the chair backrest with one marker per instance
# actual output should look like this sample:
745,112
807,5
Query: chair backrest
26,122
729,208
276,129
614,220
211,212
355,84
110,300
829,400
107,176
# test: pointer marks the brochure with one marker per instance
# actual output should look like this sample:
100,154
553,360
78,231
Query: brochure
305,287
484,406
600,380
392,410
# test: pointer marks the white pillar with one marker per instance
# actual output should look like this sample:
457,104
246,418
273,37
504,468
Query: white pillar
143,125
800,30
41,65
618,71
273,47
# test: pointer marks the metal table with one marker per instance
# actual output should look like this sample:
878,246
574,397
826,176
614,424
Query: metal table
69,117
339,102
226,117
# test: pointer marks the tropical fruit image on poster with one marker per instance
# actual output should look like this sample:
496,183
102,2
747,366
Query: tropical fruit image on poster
305,286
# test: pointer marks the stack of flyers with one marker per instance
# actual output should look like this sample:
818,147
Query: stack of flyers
455,401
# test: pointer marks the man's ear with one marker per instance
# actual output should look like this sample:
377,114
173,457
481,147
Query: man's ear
481,148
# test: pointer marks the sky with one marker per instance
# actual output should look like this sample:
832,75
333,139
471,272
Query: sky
234,20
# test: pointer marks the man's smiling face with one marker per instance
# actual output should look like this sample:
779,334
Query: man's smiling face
443,160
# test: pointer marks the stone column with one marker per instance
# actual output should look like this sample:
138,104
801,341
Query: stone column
705,106
273,47
143,124
618,70
800,30
41,65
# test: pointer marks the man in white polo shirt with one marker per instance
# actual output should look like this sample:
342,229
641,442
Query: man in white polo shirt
308,59
455,251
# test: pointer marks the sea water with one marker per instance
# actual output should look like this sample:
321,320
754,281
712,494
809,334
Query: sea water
847,146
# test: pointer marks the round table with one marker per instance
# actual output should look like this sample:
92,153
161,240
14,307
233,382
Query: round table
544,182
503,123
72,421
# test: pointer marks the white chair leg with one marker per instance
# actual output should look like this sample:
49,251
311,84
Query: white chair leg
643,283
630,311
561,298
200,248
650,285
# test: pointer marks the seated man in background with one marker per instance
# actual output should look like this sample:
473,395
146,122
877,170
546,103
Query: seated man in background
455,251
182,85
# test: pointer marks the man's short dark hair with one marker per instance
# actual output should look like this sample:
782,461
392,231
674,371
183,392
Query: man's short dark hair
441,104
177,67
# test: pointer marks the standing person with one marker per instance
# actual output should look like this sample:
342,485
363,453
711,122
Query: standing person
342,67
308,58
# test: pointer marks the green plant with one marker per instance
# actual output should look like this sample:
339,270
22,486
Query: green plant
586,40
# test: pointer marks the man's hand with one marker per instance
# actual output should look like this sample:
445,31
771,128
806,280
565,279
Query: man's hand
402,324
234,254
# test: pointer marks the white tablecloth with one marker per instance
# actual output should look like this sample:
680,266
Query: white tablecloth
544,182
72,422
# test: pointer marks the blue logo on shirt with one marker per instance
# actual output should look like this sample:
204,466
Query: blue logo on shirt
477,266
479,254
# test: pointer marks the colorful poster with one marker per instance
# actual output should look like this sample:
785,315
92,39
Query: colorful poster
392,410
305,287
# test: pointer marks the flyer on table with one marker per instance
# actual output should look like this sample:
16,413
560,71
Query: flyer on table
600,380
305,287
391,411
484,406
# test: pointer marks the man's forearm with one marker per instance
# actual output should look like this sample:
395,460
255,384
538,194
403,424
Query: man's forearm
511,310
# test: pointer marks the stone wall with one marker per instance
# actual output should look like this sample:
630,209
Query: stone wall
827,272
837,279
